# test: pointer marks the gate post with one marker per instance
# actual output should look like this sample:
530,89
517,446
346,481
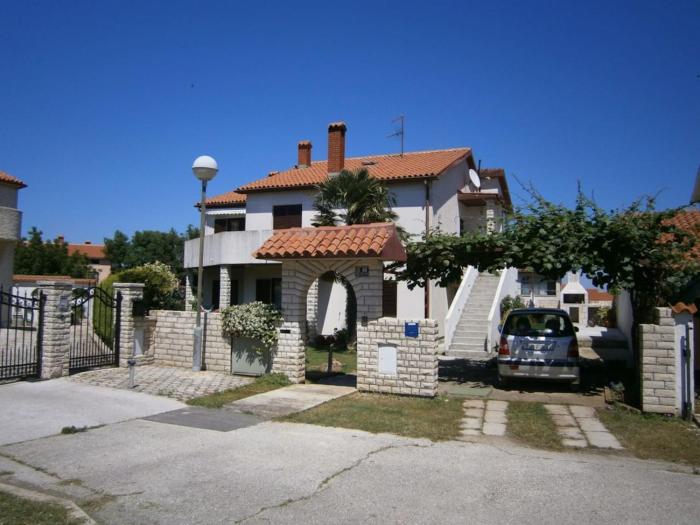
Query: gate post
130,329
55,354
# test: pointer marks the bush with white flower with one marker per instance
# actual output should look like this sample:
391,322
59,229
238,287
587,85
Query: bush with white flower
256,320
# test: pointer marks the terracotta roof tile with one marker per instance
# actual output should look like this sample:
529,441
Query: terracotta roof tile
684,307
9,179
599,295
689,222
231,198
91,251
25,278
377,240
422,164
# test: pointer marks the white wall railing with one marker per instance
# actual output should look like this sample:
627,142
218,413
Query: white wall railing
226,248
507,285
458,303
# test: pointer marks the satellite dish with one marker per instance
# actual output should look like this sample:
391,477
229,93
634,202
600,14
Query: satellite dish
695,197
474,178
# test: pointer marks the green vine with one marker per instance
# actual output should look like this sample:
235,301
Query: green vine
256,320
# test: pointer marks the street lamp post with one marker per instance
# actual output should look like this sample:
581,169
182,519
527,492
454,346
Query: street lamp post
205,169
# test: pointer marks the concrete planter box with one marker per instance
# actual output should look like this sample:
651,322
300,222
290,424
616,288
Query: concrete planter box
246,360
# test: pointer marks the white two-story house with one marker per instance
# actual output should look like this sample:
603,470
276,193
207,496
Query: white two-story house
433,189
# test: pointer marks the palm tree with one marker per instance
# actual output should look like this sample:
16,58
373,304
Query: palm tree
353,197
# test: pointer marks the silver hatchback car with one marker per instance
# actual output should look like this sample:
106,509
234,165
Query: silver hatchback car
539,343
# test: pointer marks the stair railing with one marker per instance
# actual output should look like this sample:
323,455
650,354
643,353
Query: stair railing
507,285
454,313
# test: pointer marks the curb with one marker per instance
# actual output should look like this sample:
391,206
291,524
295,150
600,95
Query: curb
73,509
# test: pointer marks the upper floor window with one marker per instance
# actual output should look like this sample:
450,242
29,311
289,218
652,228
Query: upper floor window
235,224
286,216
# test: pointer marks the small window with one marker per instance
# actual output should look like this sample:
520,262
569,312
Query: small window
234,224
269,291
538,325
287,216
389,298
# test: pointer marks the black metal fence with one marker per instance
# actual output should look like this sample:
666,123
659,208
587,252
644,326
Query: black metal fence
21,329
95,324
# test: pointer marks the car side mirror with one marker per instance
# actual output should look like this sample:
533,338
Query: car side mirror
575,328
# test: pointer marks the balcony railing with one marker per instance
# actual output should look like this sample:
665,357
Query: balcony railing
226,248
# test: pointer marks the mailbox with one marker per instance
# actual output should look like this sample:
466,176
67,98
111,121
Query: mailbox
411,330
138,308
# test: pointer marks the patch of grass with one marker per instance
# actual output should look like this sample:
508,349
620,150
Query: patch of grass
531,424
262,384
73,430
436,419
652,436
316,357
24,511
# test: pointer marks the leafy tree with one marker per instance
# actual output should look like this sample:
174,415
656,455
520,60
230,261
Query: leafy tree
161,285
34,256
353,198
117,250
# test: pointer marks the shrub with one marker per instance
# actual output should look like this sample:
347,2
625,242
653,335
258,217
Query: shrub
161,290
256,320
509,303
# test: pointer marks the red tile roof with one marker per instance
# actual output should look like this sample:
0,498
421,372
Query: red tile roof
24,278
9,179
599,295
689,222
684,307
376,240
91,251
416,165
231,198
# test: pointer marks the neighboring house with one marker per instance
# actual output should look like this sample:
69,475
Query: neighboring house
432,190
25,285
96,255
10,225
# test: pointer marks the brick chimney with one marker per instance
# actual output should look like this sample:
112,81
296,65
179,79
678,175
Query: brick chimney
60,239
336,146
304,147
87,242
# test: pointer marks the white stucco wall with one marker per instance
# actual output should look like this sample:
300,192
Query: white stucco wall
332,301
624,315
259,207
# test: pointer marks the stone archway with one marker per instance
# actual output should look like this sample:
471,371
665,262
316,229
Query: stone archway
397,356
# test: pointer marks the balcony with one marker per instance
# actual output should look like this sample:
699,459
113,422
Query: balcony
226,248
10,223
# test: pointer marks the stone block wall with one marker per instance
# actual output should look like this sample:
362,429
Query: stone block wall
658,353
169,338
416,358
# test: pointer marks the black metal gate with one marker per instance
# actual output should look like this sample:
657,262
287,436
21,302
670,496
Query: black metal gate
21,328
94,332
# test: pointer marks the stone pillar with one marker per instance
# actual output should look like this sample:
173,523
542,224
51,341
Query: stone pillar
658,348
312,311
129,325
224,286
289,357
56,328
189,291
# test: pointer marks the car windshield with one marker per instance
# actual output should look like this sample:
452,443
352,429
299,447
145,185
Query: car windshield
535,324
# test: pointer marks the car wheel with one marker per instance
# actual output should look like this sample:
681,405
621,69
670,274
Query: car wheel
501,381
575,386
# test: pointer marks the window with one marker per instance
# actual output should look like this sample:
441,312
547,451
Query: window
389,298
287,216
235,224
269,291
538,325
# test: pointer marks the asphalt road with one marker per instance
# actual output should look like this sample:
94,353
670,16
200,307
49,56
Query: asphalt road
144,472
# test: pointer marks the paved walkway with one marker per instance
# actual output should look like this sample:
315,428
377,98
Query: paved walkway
580,427
289,400
487,419
178,383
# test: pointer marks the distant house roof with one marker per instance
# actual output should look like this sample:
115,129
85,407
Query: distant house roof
229,199
25,278
376,240
11,180
395,167
91,251
599,295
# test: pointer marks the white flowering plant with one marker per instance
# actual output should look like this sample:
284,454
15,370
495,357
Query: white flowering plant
256,320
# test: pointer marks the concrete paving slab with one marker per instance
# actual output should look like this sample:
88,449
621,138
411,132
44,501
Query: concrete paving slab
473,403
470,423
580,411
498,406
591,424
492,416
289,400
474,412
563,420
31,410
557,409
570,433
603,440
576,443
494,429
211,419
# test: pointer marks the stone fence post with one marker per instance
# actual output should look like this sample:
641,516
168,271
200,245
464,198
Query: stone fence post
658,352
131,331
55,354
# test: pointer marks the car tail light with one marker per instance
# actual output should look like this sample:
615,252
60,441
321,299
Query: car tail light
573,349
503,347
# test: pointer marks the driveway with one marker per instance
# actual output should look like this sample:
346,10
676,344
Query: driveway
30,410
145,472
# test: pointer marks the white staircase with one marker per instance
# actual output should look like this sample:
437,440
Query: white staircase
471,335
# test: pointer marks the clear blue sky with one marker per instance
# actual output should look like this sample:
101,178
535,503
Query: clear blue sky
104,105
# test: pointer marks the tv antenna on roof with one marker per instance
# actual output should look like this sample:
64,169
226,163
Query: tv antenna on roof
399,132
